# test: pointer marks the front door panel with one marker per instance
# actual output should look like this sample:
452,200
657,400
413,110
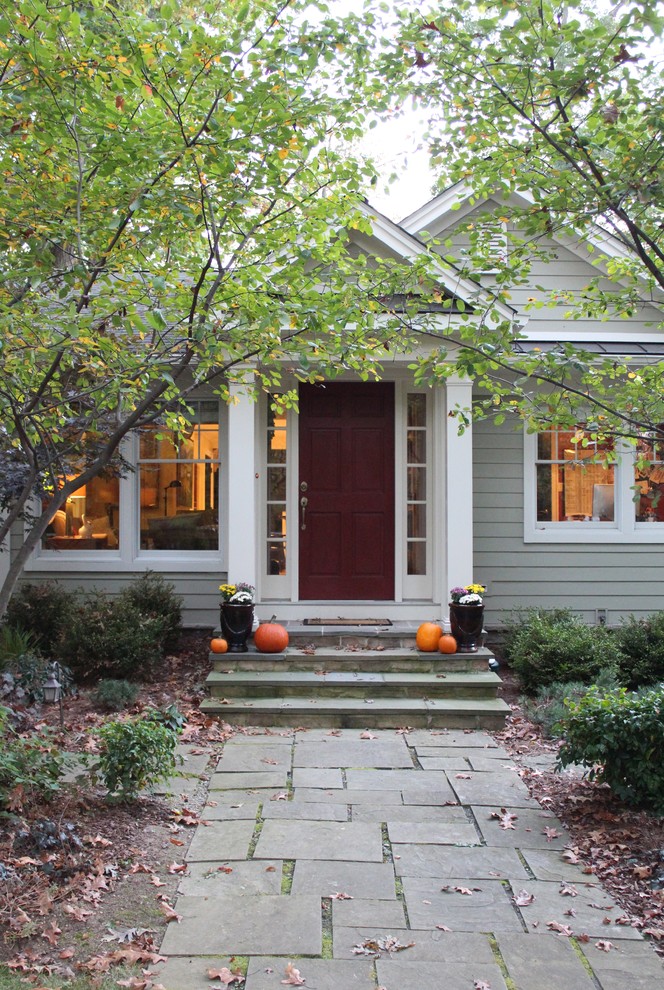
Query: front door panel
346,441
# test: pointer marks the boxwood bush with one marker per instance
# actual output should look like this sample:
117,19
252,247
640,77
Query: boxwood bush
544,647
641,645
620,736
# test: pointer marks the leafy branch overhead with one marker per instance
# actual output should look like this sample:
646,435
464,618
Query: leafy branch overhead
172,212
549,119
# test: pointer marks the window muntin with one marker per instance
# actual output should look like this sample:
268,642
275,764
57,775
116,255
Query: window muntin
276,467
573,484
179,484
89,519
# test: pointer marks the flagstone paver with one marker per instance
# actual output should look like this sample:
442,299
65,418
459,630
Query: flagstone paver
318,777
248,779
334,752
475,906
522,828
368,911
433,833
374,880
320,974
475,862
395,974
533,959
220,841
251,924
359,841
320,844
238,877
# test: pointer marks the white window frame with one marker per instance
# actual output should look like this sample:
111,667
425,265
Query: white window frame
128,557
623,529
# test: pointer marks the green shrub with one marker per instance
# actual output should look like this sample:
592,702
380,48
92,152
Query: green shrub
558,646
135,753
43,610
109,636
153,596
114,695
29,767
549,706
14,643
620,736
641,644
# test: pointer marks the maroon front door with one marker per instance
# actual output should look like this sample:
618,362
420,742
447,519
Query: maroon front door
346,510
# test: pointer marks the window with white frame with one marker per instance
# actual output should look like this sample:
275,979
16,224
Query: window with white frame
574,482
179,483
577,492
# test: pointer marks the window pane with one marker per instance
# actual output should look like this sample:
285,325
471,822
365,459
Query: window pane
575,493
417,484
276,520
89,520
417,520
416,447
544,446
417,558
417,409
276,483
649,490
179,485
276,558
276,453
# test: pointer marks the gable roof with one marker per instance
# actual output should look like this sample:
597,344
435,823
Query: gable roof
406,244
459,199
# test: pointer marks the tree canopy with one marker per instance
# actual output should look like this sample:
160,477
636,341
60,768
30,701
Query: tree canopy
176,185
562,104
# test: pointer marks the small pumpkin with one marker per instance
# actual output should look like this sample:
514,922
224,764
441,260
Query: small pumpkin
428,636
270,637
447,644
218,645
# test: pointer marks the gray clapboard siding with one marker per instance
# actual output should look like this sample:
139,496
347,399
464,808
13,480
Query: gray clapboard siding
200,593
621,578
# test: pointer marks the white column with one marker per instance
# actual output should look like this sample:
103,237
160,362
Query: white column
242,488
458,490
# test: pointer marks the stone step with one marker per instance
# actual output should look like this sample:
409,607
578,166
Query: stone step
379,713
397,660
352,684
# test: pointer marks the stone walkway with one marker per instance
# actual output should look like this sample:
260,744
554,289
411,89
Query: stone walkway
380,859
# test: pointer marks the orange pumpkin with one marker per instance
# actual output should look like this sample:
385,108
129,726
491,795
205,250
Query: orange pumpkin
270,637
447,644
428,637
218,645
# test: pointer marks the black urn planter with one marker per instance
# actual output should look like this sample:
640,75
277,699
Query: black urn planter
467,622
236,624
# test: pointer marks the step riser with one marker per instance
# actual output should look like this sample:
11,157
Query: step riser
480,694
344,720
418,663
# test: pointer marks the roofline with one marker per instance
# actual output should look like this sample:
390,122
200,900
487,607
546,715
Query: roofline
407,245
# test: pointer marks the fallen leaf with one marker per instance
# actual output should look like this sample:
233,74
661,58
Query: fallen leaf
293,977
604,945
523,898
156,882
177,868
551,833
341,897
282,796
168,912
51,933
505,818
568,890
225,976
443,928
367,735
555,926
481,985
463,776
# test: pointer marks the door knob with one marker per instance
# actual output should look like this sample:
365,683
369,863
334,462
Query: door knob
303,505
